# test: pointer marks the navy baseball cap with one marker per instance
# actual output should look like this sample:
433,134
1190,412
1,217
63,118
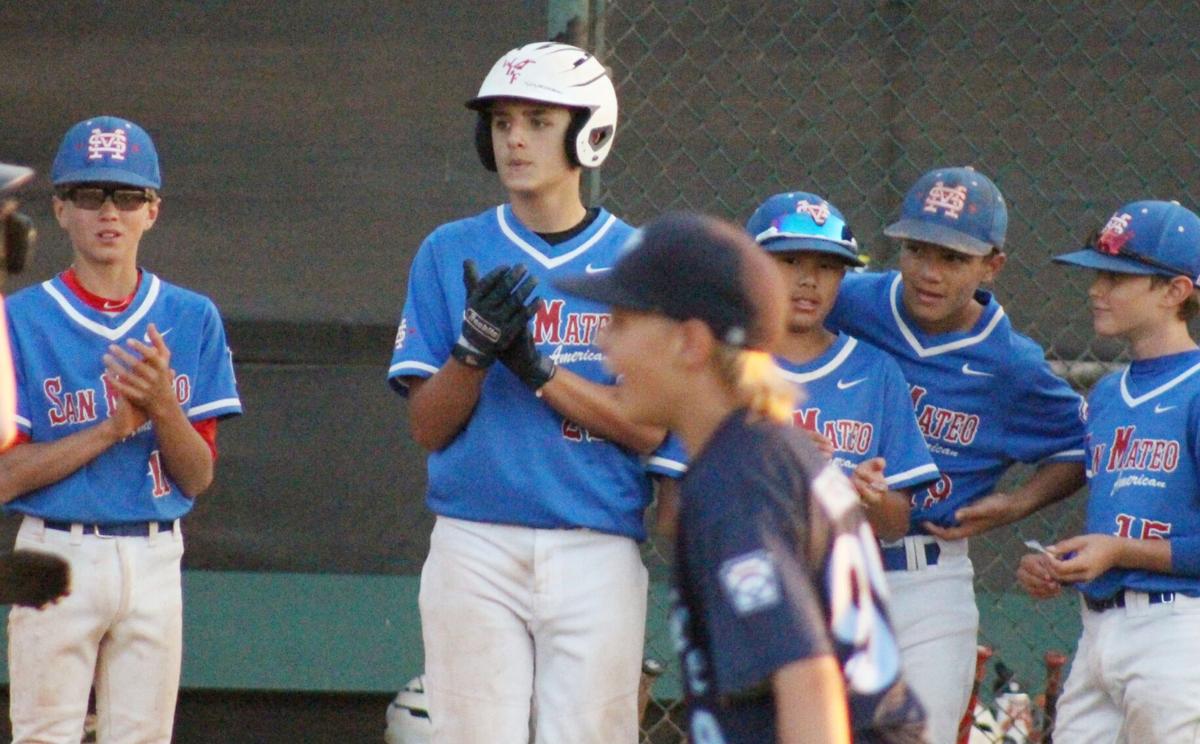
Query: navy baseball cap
12,176
686,266
957,208
107,149
799,221
1144,237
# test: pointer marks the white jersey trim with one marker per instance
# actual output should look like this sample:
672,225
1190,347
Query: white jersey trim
417,366
910,474
22,421
1071,453
1133,402
911,337
112,334
830,366
223,403
672,465
542,258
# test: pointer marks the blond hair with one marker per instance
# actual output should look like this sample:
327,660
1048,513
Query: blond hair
758,381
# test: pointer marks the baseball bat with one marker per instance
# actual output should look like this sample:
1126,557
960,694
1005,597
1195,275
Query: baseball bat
1054,666
982,654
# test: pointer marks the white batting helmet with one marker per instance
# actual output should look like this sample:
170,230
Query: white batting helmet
560,74
408,715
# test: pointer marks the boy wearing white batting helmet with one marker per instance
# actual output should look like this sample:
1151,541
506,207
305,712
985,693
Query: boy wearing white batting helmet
121,378
534,589
984,398
1137,566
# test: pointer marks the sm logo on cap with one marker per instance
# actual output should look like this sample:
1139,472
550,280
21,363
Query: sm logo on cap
950,200
819,212
113,144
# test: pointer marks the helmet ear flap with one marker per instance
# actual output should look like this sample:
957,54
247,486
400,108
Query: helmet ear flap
579,117
483,141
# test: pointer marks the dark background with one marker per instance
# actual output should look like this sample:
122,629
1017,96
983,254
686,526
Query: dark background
307,147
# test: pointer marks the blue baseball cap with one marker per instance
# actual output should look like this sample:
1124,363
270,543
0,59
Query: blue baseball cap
957,208
799,221
12,176
107,149
1159,238
691,266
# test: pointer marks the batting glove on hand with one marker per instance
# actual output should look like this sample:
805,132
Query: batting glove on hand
524,360
496,312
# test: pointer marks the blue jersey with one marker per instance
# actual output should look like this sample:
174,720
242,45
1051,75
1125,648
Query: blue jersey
857,398
1143,470
58,347
984,398
775,563
517,461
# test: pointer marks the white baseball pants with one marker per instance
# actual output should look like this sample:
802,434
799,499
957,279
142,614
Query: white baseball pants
121,628
519,620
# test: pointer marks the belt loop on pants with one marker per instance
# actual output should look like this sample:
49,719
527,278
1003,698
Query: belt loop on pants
910,553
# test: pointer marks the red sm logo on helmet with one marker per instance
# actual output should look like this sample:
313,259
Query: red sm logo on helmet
513,69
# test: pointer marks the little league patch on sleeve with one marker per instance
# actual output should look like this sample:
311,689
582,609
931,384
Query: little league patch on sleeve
750,582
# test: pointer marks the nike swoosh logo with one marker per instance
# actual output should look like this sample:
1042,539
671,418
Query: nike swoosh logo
1160,408
146,337
843,385
966,370
596,269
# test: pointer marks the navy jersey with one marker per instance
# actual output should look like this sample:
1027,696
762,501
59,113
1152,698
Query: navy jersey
984,398
517,461
775,563
1143,470
857,398
58,344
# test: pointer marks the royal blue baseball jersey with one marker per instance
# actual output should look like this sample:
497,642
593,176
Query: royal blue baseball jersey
775,563
58,347
518,461
855,396
1143,467
984,398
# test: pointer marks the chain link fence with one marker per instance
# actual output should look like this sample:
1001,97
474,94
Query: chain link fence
1073,108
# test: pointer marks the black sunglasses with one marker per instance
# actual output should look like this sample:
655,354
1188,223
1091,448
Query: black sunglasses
1113,244
92,198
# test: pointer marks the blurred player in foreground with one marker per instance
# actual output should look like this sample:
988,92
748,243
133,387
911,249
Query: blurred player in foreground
779,610
854,394
984,398
27,577
121,378
534,587
1134,677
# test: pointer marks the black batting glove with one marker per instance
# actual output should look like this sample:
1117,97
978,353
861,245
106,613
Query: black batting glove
496,312
524,360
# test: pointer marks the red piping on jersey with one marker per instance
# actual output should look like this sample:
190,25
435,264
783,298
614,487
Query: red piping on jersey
95,301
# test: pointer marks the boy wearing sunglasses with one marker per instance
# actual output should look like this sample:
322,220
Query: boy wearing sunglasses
1137,566
121,378
984,398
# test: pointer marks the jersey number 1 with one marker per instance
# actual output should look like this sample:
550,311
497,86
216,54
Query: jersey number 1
161,487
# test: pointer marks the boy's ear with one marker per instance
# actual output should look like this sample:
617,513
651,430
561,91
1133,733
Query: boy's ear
696,343
1179,289
993,262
